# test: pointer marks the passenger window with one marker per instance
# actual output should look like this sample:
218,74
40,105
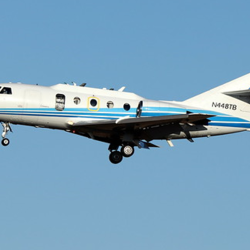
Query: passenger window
126,106
60,102
77,100
6,91
110,104
93,103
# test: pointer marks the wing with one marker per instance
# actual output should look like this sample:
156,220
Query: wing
140,122
137,129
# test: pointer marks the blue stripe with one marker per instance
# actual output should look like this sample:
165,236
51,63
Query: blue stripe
219,120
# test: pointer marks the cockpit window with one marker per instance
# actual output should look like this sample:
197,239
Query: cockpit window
6,90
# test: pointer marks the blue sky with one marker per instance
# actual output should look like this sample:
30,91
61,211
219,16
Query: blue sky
59,191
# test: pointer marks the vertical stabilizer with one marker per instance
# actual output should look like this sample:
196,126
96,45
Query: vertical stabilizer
231,98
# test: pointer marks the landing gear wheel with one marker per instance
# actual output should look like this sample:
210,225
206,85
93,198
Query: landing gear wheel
115,157
5,142
127,150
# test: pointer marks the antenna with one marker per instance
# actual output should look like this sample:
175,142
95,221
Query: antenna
121,89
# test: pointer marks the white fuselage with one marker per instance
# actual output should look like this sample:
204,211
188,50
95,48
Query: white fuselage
60,105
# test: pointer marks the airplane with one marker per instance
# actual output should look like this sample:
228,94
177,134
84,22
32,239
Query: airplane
122,119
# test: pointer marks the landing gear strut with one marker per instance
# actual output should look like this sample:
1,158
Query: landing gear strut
6,129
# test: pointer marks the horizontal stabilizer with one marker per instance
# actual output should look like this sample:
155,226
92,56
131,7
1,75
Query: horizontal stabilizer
243,93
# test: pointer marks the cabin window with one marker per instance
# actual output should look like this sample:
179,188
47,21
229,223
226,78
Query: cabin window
6,91
93,102
126,106
77,100
110,104
60,102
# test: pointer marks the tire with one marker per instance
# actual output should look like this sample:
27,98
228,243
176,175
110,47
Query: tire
115,157
127,150
5,142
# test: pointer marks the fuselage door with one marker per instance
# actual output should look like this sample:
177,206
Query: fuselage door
60,102
31,107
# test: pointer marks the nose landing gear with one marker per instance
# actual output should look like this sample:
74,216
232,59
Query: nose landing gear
6,129
5,141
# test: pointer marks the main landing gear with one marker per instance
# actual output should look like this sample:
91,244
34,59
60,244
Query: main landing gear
6,129
116,156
